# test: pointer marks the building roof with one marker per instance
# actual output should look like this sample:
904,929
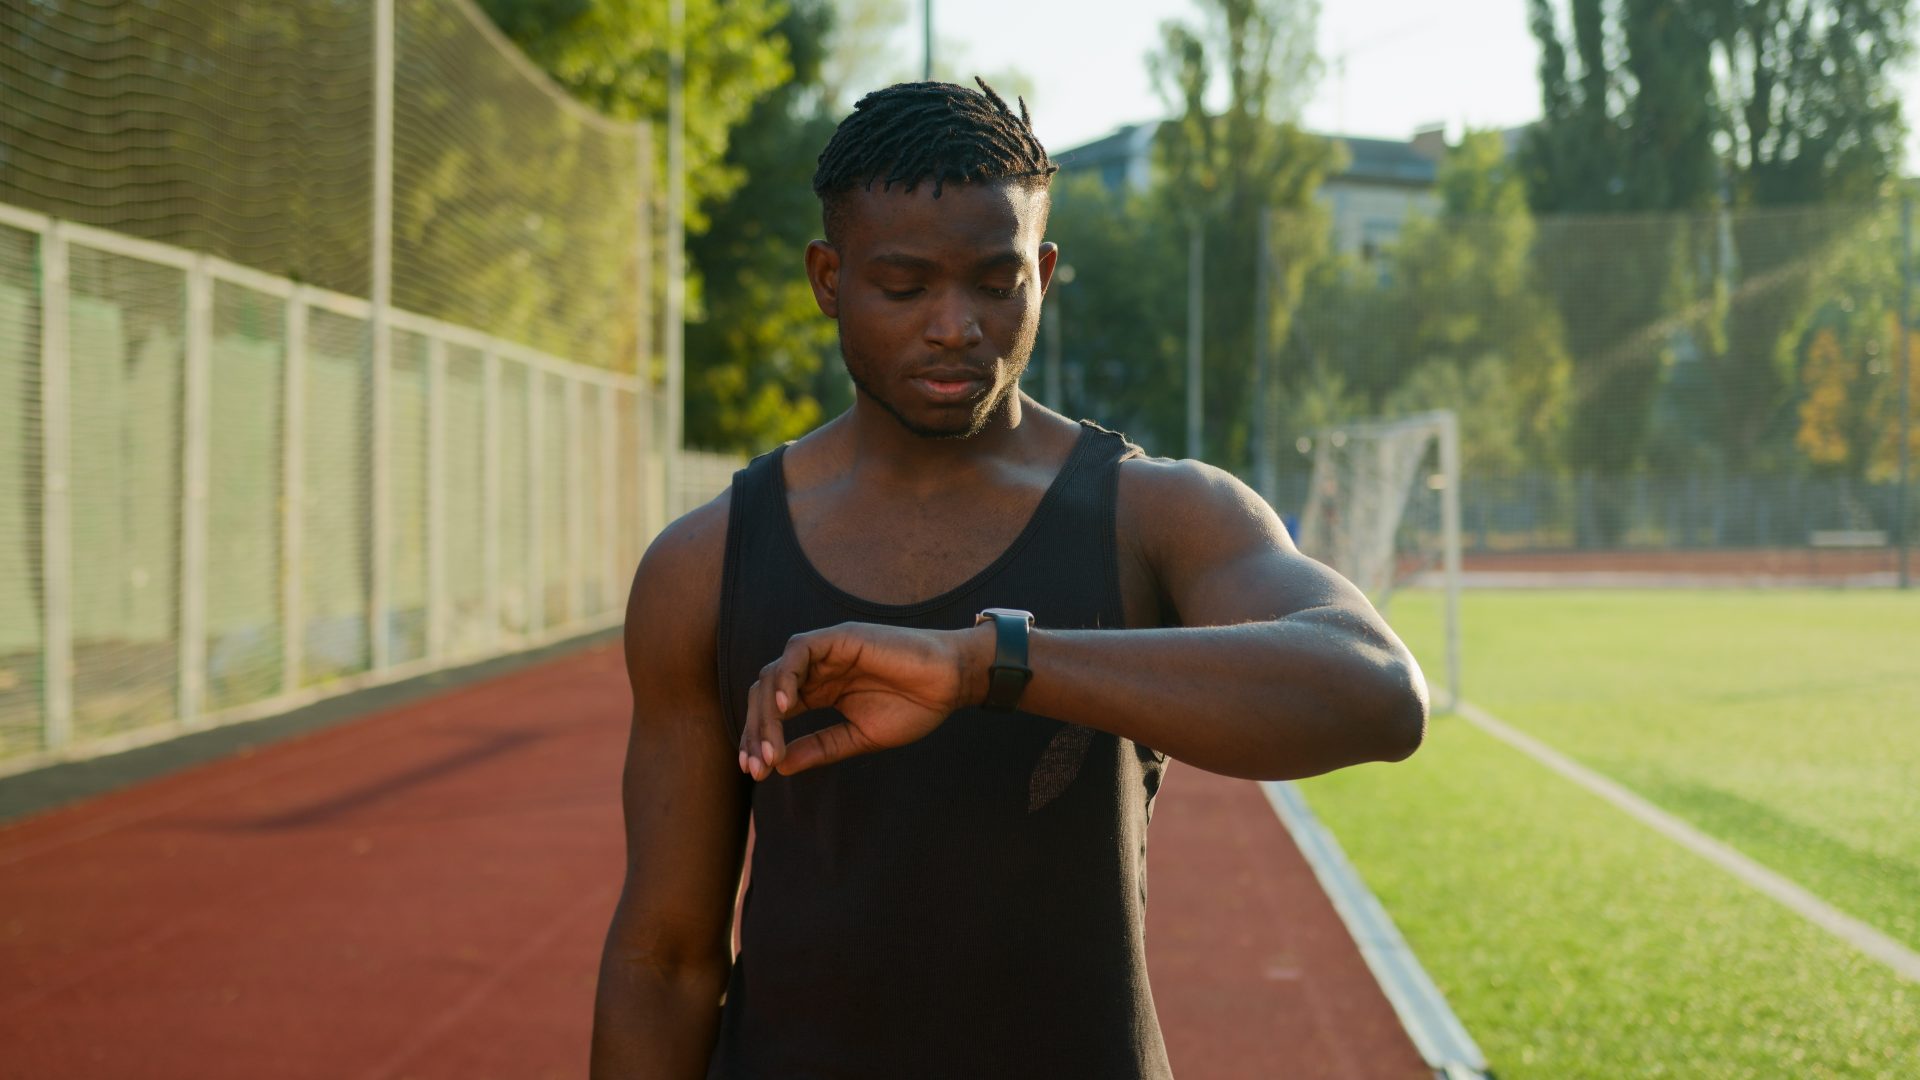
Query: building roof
1376,161
1386,161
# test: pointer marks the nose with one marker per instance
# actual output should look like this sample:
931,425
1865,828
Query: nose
952,323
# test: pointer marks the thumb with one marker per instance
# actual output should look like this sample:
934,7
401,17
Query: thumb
836,742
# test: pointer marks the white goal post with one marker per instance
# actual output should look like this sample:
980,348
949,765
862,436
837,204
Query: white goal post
1383,506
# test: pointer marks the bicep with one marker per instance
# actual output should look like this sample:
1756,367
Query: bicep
1221,555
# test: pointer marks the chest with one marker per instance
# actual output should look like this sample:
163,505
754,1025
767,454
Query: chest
903,550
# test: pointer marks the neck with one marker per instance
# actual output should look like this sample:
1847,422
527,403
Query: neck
882,447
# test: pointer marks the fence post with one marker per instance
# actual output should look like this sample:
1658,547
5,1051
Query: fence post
490,509
437,615
293,485
56,518
574,492
609,496
381,519
536,480
197,422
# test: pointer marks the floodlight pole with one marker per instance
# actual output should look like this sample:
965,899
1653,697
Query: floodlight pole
926,40
1906,386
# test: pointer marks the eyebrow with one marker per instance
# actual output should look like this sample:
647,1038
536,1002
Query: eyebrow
914,262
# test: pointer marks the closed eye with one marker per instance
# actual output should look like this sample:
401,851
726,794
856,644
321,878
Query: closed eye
1004,294
901,294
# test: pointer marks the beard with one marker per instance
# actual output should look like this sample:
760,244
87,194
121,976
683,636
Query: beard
979,415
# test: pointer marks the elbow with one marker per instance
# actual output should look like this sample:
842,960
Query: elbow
1402,720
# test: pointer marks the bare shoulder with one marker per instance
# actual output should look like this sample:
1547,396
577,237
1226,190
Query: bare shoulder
673,608
1172,506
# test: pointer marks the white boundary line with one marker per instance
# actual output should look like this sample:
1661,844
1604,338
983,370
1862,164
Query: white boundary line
1443,1042
1904,961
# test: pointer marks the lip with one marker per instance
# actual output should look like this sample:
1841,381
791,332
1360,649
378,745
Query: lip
948,387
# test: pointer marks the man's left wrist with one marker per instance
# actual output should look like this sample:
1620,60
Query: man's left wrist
976,663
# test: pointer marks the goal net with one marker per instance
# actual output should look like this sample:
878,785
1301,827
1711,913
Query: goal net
1383,509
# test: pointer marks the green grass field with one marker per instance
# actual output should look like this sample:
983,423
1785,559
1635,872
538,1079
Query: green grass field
1572,940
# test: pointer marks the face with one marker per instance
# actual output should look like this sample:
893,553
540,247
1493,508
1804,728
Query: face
938,300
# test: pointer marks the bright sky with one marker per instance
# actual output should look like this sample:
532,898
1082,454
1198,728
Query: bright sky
1391,65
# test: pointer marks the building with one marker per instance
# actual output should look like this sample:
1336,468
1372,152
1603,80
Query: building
1383,182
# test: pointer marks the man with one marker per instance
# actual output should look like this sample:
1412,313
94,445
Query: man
950,808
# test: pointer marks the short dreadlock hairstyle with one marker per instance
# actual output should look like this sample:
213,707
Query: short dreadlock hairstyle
910,132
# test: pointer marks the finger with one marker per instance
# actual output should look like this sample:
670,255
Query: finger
784,679
837,742
749,729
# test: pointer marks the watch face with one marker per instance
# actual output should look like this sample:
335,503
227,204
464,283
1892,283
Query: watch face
1011,612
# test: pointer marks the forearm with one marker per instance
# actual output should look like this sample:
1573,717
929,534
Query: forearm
652,1019
1293,697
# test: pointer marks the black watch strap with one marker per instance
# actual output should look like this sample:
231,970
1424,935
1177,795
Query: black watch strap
1009,675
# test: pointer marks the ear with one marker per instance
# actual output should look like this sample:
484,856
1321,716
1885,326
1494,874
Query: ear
1049,258
823,273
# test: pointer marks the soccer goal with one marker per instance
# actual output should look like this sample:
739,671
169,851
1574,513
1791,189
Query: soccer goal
1383,508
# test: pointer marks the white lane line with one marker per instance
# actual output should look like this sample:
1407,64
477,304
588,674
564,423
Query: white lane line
1423,1011
1904,961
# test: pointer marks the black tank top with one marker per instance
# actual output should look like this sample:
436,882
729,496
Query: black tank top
971,905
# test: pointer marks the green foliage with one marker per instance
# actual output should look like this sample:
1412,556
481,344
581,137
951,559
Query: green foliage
1681,109
1219,172
1475,333
761,356
1121,314
614,55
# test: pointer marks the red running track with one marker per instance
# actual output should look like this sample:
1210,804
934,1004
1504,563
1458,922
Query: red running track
422,894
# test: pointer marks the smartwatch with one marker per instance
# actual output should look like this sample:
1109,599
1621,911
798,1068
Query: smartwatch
1009,674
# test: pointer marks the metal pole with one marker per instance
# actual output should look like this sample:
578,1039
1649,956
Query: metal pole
1906,386
1450,539
1267,466
56,515
1196,296
439,610
574,513
382,352
673,333
491,516
293,486
536,567
197,420
926,43
643,412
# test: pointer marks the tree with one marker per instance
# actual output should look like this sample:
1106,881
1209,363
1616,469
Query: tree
1475,333
1847,420
613,55
761,356
1220,172
1812,120
1626,128
1687,108
1121,314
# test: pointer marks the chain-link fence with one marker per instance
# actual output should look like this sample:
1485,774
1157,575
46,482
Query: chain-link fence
1653,382
230,482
